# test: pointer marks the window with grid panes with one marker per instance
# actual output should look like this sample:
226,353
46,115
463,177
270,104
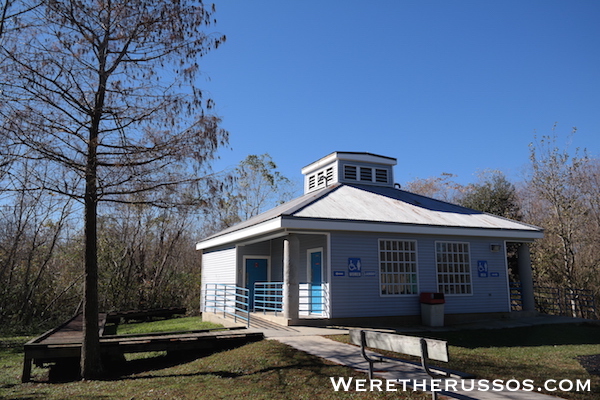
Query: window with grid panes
398,267
453,267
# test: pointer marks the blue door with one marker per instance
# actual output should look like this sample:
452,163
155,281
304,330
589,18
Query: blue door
316,283
256,271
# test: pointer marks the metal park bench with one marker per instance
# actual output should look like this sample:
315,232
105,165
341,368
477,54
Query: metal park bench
427,349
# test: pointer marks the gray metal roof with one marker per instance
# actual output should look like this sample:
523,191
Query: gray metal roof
383,205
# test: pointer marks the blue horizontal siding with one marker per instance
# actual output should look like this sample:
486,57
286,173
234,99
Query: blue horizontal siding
360,296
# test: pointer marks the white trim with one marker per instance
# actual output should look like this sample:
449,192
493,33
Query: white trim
524,235
328,276
470,264
261,239
416,251
383,227
349,156
506,276
308,263
254,230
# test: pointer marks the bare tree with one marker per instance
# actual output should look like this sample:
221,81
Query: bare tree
562,196
253,187
103,95
441,188
149,257
32,227
3,16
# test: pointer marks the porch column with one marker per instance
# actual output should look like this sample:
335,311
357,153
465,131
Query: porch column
291,255
525,274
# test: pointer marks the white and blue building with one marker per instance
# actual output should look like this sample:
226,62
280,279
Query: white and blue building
355,248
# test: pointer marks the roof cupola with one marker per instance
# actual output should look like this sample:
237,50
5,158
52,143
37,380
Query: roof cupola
349,167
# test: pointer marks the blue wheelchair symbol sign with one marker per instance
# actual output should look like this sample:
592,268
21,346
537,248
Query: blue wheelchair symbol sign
354,267
482,269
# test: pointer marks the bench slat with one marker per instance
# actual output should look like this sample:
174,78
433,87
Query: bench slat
436,349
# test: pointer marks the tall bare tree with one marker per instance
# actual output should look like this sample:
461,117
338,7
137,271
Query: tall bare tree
562,196
103,94
253,187
441,188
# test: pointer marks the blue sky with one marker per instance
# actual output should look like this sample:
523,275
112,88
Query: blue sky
443,86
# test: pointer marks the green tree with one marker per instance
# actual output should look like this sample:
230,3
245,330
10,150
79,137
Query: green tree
103,95
494,194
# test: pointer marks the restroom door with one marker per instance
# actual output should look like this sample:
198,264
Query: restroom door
256,271
316,282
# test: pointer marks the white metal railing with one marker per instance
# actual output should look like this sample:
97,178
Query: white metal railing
227,299
268,297
314,299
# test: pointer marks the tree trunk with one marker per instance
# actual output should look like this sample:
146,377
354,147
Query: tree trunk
91,367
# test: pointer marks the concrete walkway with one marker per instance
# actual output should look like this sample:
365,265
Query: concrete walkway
409,374
311,340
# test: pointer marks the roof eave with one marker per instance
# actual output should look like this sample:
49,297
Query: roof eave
262,228
416,229
289,222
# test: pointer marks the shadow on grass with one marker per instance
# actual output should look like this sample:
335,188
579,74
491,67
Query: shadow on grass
117,367
591,363
541,335
139,369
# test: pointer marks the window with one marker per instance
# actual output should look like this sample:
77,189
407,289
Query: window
453,267
398,267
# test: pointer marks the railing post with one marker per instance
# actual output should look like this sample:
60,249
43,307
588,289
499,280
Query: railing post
215,299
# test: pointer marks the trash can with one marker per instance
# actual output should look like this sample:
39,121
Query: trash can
432,308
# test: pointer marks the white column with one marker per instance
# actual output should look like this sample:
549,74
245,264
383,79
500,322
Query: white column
526,277
291,256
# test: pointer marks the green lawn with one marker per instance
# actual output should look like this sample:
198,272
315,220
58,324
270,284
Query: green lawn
271,370
265,370
166,325
539,353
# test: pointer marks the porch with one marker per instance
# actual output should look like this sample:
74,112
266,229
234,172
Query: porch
266,300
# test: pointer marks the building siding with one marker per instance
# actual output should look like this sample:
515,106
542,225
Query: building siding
360,296
219,266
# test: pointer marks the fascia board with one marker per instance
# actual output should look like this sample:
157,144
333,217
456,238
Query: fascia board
357,226
348,156
236,236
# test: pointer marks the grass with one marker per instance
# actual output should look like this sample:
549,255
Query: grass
166,325
539,353
271,370
262,370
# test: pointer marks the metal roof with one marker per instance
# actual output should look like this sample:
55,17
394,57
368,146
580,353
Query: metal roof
366,208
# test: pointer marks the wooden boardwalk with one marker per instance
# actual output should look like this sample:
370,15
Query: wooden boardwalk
65,341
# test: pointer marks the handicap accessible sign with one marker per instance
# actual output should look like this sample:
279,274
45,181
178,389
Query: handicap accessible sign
482,269
354,267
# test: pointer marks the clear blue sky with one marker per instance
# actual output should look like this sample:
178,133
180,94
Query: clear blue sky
443,86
